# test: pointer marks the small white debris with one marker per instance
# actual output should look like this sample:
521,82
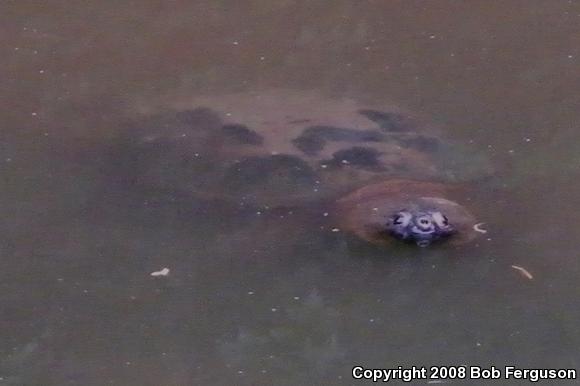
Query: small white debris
375,209
325,214
478,344
371,320
34,114
258,213
478,228
527,139
274,309
251,292
344,161
262,58
41,71
432,36
235,43
296,297
570,56
323,166
335,230
228,114
163,272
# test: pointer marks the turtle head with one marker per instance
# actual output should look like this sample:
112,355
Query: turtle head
419,227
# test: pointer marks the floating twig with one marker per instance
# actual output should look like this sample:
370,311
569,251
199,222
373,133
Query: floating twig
523,271
163,272
478,228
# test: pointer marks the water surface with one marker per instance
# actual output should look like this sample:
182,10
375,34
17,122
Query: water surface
257,300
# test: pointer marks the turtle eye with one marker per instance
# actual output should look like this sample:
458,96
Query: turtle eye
401,218
440,219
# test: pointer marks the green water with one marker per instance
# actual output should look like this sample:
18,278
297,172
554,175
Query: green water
261,301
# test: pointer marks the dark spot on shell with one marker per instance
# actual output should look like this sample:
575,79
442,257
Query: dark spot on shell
313,138
242,134
281,171
392,122
421,143
358,156
297,121
309,144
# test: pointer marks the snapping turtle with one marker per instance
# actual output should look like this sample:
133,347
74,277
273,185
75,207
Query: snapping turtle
290,148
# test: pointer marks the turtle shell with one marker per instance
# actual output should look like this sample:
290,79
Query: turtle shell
365,212
283,148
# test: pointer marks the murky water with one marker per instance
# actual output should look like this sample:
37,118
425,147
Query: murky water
279,298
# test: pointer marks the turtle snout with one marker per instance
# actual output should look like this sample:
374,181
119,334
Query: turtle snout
424,224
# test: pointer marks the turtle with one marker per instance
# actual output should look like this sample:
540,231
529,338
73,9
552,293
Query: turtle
386,174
